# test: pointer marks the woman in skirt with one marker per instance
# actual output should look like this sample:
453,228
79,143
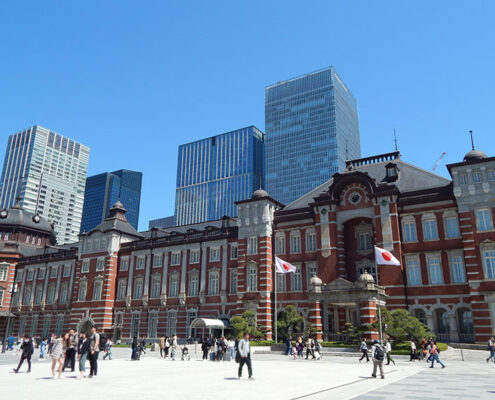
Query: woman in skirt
57,354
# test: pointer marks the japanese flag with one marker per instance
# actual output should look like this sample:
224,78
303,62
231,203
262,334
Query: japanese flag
283,267
384,257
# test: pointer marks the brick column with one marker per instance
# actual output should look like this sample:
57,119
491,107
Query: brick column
368,315
315,318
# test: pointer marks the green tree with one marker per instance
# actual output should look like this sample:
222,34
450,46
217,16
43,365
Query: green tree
245,323
401,326
288,321
351,334
309,329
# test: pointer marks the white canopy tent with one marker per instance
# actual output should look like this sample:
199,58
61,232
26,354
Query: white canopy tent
207,323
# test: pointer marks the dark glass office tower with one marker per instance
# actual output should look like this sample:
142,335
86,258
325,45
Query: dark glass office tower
103,190
215,172
311,127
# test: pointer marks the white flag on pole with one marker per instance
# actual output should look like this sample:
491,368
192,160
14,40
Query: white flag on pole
283,266
384,257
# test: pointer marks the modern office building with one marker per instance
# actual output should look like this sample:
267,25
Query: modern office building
311,125
165,222
214,173
37,155
103,190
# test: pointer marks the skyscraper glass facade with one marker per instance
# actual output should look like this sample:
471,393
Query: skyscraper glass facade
37,155
103,191
215,172
311,127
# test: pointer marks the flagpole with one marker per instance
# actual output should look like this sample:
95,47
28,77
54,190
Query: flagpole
378,304
275,305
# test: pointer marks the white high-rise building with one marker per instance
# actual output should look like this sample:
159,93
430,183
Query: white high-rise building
37,155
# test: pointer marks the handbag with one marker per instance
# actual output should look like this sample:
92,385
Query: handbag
237,357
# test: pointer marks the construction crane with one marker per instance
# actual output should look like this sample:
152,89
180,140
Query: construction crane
438,161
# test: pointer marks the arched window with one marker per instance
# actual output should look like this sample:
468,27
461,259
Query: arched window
64,291
97,287
442,321
420,315
488,259
50,294
83,287
465,320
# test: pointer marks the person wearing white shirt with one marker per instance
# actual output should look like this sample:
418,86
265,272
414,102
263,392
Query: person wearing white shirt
245,356
388,351
413,350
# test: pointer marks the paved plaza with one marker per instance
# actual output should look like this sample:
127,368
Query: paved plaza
276,377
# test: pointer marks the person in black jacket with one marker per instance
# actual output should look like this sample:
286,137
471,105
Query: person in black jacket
82,353
27,351
134,346
205,348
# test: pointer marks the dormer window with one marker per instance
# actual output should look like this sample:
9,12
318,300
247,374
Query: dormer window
392,171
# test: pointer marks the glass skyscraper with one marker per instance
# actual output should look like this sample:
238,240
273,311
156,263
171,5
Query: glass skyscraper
215,172
37,155
311,125
103,191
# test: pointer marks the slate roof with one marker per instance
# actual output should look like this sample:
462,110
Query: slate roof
18,217
411,178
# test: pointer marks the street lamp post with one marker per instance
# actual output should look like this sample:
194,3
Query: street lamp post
12,292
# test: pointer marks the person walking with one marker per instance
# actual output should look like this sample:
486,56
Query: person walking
143,344
364,349
70,353
94,350
434,351
162,346
174,347
167,346
57,354
388,351
134,346
245,356
491,348
108,350
309,347
413,350
378,356
231,344
82,353
27,348
42,349
288,345
204,348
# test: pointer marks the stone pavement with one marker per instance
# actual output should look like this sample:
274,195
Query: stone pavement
276,377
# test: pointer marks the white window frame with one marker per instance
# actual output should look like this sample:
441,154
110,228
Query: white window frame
477,176
214,254
50,293
252,245
463,179
81,295
311,241
296,280
252,278
311,270
64,293
138,289
85,266
155,288
233,281
428,219
484,224
175,258
413,263
124,264
280,243
451,217
4,273
30,274
41,273
53,271
173,290
234,252
194,256
193,284
431,275
38,295
409,230
281,282
140,262
135,324
457,268
171,322
66,270
488,259
100,264
491,175
157,260
213,283
295,242
97,295
364,241
121,289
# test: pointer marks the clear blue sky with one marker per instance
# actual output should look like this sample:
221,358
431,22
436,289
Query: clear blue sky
134,79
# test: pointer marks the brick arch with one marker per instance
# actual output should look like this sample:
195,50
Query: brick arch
342,181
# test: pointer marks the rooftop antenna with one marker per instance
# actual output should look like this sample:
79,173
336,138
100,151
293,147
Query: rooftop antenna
472,141
38,195
395,141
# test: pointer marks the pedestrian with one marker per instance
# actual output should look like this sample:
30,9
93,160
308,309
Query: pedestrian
309,347
300,347
231,345
134,346
288,345
434,351
424,349
108,349
57,354
143,344
94,350
491,348
162,346
10,342
27,348
174,347
167,346
413,350
245,356
364,349
70,353
43,348
204,348
82,353
378,356
388,350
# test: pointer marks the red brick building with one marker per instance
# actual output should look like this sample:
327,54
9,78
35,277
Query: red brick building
157,282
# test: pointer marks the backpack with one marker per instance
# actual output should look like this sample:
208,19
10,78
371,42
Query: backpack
103,341
379,354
